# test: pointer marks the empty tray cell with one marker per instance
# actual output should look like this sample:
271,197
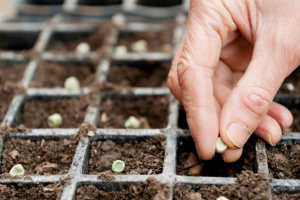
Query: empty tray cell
17,40
45,2
35,111
142,155
139,73
62,41
292,83
30,191
182,122
99,3
283,159
151,111
39,156
159,3
285,193
156,41
293,104
147,190
215,167
54,74
247,186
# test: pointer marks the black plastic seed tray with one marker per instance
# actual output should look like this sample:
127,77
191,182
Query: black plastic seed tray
58,28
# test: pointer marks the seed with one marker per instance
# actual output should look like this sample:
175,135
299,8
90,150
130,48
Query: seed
55,120
290,87
83,48
72,83
118,166
121,49
220,146
139,46
195,170
132,122
17,170
222,198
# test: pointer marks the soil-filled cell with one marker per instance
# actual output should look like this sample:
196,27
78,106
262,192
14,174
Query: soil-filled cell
151,111
17,40
99,3
141,155
215,167
283,160
284,193
32,192
11,72
156,41
61,42
139,74
36,111
39,157
54,74
147,190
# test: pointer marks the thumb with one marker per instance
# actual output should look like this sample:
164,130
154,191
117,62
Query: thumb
251,99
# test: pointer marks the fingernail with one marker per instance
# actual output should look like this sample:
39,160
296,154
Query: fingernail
237,134
263,134
224,158
198,152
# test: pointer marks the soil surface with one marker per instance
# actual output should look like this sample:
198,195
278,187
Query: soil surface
36,112
39,157
151,189
146,74
293,78
248,186
117,111
5,100
157,41
182,122
50,74
284,162
145,157
217,167
97,39
12,73
285,196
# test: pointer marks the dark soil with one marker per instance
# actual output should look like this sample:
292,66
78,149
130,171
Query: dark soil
145,157
12,73
97,39
182,122
145,74
151,189
32,154
154,109
217,167
294,79
99,3
285,196
5,100
50,74
72,110
159,3
284,162
157,41
248,186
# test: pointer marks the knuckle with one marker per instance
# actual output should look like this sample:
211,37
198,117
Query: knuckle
258,100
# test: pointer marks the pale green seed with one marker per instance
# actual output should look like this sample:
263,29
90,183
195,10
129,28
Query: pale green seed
118,166
17,170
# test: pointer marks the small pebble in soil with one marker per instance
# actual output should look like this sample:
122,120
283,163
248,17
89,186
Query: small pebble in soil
72,83
220,146
55,120
17,170
139,46
195,170
83,48
121,49
289,86
132,122
222,198
118,166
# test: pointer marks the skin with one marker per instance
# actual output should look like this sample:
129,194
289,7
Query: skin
232,59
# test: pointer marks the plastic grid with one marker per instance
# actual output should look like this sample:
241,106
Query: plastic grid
78,171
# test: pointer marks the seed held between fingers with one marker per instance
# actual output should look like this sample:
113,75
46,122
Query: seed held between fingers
55,120
220,146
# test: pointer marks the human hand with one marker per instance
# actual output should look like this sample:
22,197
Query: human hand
232,59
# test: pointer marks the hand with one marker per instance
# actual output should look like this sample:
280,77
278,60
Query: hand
233,58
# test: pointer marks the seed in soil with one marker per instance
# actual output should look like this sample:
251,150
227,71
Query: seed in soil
55,120
215,167
121,49
17,170
157,41
139,46
139,73
54,74
222,198
72,83
17,40
132,122
151,189
37,110
140,155
118,166
154,108
39,157
283,161
83,48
